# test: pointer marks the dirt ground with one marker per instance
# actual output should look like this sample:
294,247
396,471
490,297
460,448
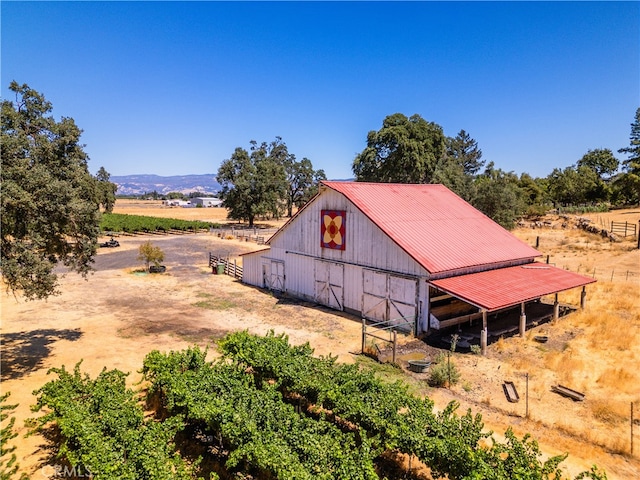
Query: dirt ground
119,314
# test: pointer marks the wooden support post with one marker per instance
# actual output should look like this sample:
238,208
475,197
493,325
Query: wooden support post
395,343
483,333
583,298
556,308
523,320
364,333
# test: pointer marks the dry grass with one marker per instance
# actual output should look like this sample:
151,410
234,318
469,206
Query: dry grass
609,411
623,379
500,345
594,351
567,367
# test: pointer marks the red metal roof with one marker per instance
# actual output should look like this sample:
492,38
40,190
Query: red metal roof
434,226
504,287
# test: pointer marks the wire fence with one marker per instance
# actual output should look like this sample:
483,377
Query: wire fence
600,273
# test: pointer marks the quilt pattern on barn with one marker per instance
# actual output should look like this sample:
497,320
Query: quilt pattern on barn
332,229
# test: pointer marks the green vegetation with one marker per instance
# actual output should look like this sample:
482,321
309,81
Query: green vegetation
49,200
267,182
270,410
413,150
213,302
118,222
148,253
8,460
267,402
103,429
106,190
444,372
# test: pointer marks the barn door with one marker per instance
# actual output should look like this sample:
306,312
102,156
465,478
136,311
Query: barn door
329,284
389,298
403,300
374,295
273,275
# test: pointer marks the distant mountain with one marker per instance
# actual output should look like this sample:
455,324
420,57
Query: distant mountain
139,184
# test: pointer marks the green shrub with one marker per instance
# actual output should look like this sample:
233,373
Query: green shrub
444,372
148,253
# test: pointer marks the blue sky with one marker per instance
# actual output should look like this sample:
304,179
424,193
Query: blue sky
173,88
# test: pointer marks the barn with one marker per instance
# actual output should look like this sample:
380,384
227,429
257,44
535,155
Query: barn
414,256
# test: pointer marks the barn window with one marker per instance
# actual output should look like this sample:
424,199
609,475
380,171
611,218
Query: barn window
332,229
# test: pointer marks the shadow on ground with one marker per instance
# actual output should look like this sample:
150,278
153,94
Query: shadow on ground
25,352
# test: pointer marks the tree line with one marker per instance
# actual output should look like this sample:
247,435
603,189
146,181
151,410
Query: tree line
267,181
413,150
51,204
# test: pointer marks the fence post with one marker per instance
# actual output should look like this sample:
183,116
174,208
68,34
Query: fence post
526,414
364,333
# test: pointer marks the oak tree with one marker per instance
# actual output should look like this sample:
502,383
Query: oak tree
302,182
601,161
50,208
254,184
404,150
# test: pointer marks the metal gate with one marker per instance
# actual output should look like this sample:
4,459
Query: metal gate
329,284
390,298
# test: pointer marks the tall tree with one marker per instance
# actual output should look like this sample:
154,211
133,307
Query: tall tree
106,190
451,174
270,160
404,150
254,184
534,193
499,197
630,180
573,185
50,208
464,150
302,182
601,161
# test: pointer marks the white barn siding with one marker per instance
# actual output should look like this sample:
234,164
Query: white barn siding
252,268
312,272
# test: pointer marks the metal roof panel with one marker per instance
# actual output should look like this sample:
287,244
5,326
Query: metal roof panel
504,287
435,226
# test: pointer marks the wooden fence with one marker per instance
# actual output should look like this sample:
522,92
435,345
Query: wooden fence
227,266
